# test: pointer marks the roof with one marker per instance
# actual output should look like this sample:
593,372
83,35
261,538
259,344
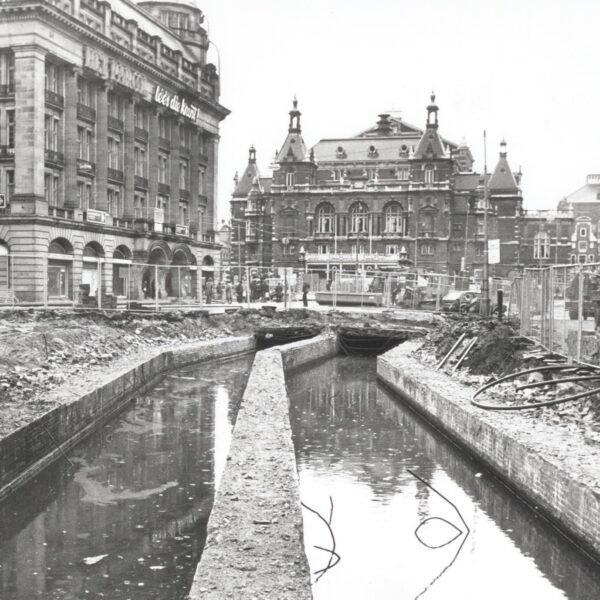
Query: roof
586,193
466,182
244,184
359,149
293,149
502,178
430,145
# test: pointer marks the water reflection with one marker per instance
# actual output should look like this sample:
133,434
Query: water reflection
140,491
356,443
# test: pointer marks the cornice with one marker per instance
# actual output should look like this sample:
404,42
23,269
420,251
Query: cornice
29,10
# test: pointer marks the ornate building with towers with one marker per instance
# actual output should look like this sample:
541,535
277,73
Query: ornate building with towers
109,131
393,192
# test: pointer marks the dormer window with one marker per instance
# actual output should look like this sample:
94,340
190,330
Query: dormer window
340,152
582,231
373,152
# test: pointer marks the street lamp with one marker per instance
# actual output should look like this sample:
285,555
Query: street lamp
485,289
403,259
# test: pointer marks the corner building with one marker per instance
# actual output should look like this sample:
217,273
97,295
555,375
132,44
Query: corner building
109,131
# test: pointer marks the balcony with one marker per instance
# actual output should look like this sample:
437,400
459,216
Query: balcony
7,152
115,124
141,182
184,151
164,189
54,157
182,230
7,90
87,113
85,167
60,213
115,175
184,194
141,134
55,99
203,158
164,143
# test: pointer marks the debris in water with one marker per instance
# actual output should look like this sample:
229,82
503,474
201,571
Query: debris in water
92,560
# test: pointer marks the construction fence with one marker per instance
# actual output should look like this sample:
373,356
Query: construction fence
559,307
95,282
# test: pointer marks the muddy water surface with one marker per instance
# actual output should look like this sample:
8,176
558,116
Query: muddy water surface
124,514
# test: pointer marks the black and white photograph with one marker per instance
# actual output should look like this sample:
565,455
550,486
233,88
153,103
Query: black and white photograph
299,300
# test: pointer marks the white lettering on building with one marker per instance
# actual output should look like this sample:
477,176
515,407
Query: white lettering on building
175,103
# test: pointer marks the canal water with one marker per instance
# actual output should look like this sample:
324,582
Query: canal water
123,516
412,517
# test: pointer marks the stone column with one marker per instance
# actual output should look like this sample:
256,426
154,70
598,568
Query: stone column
211,184
30,102
173,212
194,183
152,159
102,147
128,159
70,118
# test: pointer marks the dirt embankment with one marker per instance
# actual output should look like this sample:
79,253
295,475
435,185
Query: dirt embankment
41,351
500,350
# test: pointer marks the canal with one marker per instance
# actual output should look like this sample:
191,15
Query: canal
412,516
123,515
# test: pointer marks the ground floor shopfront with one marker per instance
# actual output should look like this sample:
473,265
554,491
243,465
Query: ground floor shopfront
52,263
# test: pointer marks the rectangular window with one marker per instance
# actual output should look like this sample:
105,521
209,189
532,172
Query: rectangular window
163,168
53,79
140,162
10,184
10,128
201,181
357,249
114,153
164,131
402,173
113,196
183,213
582,246
86,93
139,204
391,250
140,117
52,125
480,227
427,250
322,249
583,231
161,202
429,175
290,179
183,175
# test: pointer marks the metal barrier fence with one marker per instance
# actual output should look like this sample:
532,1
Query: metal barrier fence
560,308
96,282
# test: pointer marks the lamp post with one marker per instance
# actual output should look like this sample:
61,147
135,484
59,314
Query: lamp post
485,284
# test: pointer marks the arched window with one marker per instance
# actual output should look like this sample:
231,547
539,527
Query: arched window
541,245
393,219
325,216
429,174
359,218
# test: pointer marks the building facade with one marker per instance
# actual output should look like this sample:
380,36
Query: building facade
393,192
109,131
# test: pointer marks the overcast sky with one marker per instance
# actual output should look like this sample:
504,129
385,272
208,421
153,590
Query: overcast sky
525,70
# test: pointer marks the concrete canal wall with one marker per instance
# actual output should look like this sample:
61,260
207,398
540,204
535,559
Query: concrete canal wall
255,547
539,461
29,449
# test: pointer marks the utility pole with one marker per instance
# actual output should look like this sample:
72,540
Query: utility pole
485,284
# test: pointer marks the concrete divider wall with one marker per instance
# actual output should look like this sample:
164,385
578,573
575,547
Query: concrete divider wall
255,547
29,449
532,457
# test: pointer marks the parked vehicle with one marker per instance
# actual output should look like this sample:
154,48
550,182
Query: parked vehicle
458,301
591,295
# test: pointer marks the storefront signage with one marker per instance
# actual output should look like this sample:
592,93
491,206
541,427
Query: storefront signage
175,103
493,252
112,69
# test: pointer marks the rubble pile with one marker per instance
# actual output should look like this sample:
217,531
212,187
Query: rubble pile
41,350
499,350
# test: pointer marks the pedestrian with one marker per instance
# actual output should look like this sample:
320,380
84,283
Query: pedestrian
228,292
220,291
209,291
239,292
305,289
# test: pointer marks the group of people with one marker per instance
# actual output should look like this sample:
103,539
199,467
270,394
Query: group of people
259,291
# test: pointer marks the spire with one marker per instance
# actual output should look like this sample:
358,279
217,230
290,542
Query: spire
295,118
243,184
430,145
432,113
502,178
293,149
